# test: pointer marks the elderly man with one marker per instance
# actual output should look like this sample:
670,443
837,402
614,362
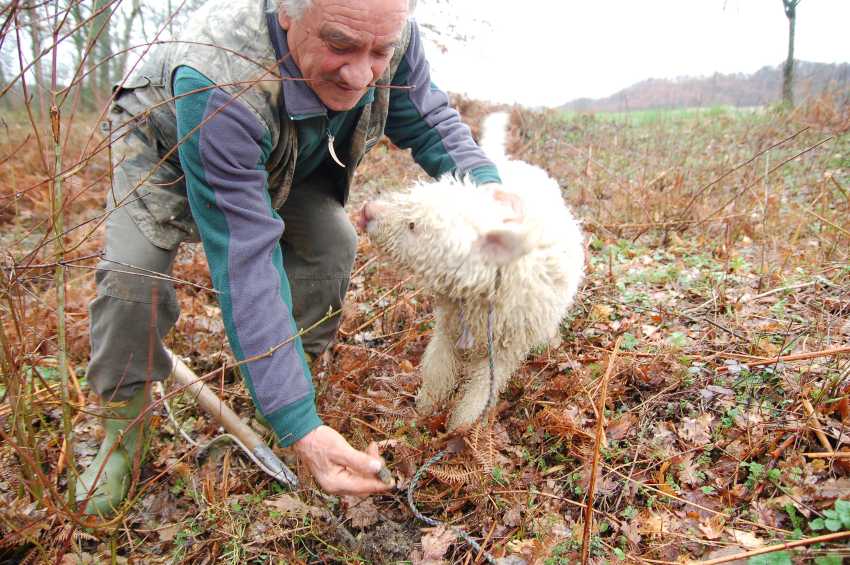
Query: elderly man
245,132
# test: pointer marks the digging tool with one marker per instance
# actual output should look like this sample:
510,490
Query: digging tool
242,435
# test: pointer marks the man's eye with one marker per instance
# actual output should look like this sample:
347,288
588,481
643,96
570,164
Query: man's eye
338,50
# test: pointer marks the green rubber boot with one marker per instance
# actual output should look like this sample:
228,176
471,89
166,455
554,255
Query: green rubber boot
119,450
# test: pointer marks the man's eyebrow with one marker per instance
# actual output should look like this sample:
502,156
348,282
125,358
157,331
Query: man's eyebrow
341,39
338,37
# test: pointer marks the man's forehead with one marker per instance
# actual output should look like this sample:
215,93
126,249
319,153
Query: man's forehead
360,21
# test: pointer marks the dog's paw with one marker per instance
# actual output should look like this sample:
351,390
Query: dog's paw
465,414
426,403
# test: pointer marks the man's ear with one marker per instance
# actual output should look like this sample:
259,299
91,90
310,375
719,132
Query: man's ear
504,244
283,19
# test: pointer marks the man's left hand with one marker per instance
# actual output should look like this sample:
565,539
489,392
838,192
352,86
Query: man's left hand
338,467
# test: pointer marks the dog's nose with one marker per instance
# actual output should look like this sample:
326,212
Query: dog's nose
370,211
362,219
367,214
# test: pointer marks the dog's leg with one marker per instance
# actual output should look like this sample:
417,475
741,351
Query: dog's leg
472,402
440,363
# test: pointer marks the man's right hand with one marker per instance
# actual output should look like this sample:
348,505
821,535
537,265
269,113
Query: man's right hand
338,467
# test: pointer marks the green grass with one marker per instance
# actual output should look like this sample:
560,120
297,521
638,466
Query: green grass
663,115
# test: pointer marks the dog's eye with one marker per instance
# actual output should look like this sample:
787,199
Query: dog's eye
411,226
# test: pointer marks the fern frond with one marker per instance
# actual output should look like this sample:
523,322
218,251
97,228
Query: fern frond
453,474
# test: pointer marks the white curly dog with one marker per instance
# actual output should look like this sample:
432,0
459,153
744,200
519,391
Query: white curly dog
512,249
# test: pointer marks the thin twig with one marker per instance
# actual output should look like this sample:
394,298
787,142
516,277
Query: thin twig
827,455
793,357
772,548
784,289
600,428
813,419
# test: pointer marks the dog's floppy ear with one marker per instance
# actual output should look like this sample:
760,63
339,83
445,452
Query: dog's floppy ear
504,244
511,200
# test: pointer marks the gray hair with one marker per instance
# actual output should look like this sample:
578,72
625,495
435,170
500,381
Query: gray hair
296,8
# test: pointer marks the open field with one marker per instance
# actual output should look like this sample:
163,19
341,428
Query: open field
641,117
718,261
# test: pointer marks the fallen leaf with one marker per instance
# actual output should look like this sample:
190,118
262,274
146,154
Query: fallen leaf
690,473
361,511
289,505
522,546
513,517
632,532
713,527
600,312
435,544
167,533
765,348
651,523
620,428
832,489
648,330
746,539
696,431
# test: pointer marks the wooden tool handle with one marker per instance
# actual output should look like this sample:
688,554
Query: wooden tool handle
229,420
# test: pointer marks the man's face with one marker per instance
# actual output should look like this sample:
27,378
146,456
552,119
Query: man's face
343,46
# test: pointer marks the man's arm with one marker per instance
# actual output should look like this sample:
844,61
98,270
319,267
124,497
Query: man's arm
223,152
223,160
421,119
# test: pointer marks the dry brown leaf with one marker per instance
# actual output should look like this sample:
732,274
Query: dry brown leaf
632,532
524,547
690,473
361,511
167,533
513,517
832,489
713,527
696,431
435,544
289,505
648,330
620,428
600,312
649,522
747,539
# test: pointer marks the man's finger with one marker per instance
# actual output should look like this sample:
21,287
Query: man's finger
352,484
360,463
372,449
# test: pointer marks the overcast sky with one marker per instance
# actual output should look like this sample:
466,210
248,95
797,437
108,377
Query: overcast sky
548,52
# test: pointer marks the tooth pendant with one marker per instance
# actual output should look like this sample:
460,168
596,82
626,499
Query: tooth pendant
332,152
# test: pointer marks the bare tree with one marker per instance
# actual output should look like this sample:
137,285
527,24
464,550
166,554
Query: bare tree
124,43
788,70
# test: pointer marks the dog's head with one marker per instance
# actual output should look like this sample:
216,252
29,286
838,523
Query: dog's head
451,234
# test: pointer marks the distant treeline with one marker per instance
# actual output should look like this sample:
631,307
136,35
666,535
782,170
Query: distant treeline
758,89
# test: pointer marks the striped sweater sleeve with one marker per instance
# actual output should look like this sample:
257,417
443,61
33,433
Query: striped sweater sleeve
421,119
223,153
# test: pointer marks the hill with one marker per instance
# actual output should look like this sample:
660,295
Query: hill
739,89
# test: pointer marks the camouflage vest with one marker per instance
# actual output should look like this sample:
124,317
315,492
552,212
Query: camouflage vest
229,42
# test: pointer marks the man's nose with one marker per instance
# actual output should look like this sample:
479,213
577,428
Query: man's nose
357,73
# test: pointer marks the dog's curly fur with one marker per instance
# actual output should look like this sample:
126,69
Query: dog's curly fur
455,237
